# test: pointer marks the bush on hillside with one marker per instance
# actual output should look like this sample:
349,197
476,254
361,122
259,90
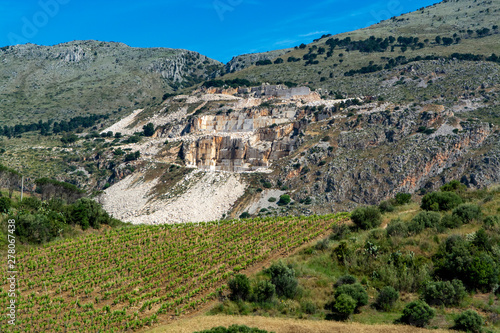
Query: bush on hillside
88,213
356,291
283,278
344,306
440,201
386,207
386,298
457,258
284,200
366,217
264,291
417,313
403,198
234,329
490,223
397,228
239,287
467,212
424,220
469,321
345,279
5,204
453,186
444,292
451,221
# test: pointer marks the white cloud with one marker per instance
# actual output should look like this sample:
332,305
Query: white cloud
313,33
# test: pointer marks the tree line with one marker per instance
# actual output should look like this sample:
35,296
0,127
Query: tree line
51,126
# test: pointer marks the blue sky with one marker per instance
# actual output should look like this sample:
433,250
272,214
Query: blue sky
219,29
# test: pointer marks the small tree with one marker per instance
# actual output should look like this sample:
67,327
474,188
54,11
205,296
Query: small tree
366,217
386,298
467,212
403,198
149,129
284,200
439,201
264,291
417,313
344,306
283,278
444,292
239,287
356,291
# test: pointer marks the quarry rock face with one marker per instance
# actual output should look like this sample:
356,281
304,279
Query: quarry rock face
335,154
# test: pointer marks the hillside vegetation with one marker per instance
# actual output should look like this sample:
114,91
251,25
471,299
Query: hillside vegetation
439,259
91,77
343,62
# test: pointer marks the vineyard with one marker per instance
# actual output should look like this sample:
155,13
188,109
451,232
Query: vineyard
125,279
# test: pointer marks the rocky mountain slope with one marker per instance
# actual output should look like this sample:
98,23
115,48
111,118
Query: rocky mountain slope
359,119
61,81
327,154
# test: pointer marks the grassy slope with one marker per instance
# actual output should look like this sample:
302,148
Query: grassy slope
443,19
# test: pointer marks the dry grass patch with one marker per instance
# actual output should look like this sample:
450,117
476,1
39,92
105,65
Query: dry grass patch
281,325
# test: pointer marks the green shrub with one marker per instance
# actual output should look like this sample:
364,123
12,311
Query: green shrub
453,186
396,227
345,279
5,204
234,329
340,231
344,305
341,253
132,156
417,313
149,129
32,203
469,321
482,241
245,215
451,221
284,200
439,201
239,287
356,291
386,207
309,307
457,258
272,199
491,222
386,298
88,213
403,198
267,185
366,217
444,292
283,278
264,291
37,228
424,220
467,212
322,245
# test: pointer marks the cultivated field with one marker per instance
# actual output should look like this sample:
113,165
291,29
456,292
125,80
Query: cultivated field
129,278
